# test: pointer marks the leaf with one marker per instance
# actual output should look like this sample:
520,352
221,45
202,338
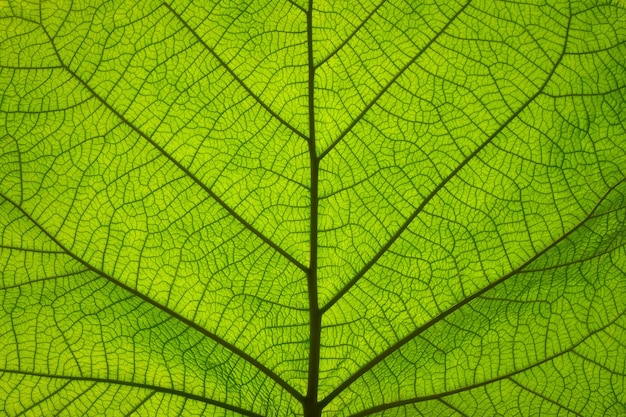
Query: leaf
390,208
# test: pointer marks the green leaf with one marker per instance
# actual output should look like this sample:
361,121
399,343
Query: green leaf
278,208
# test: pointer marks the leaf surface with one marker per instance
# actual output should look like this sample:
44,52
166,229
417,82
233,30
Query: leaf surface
388,208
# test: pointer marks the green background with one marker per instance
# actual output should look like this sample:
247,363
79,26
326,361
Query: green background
391,208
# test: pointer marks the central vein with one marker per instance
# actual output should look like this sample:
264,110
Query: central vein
311,406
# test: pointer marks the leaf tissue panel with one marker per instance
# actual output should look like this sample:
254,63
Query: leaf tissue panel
313,208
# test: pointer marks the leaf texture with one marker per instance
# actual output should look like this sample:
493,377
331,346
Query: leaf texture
278,208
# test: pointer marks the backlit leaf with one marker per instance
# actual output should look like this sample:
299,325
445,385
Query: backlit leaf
278,208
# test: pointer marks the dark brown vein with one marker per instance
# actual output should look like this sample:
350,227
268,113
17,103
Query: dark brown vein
152,388
310,404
